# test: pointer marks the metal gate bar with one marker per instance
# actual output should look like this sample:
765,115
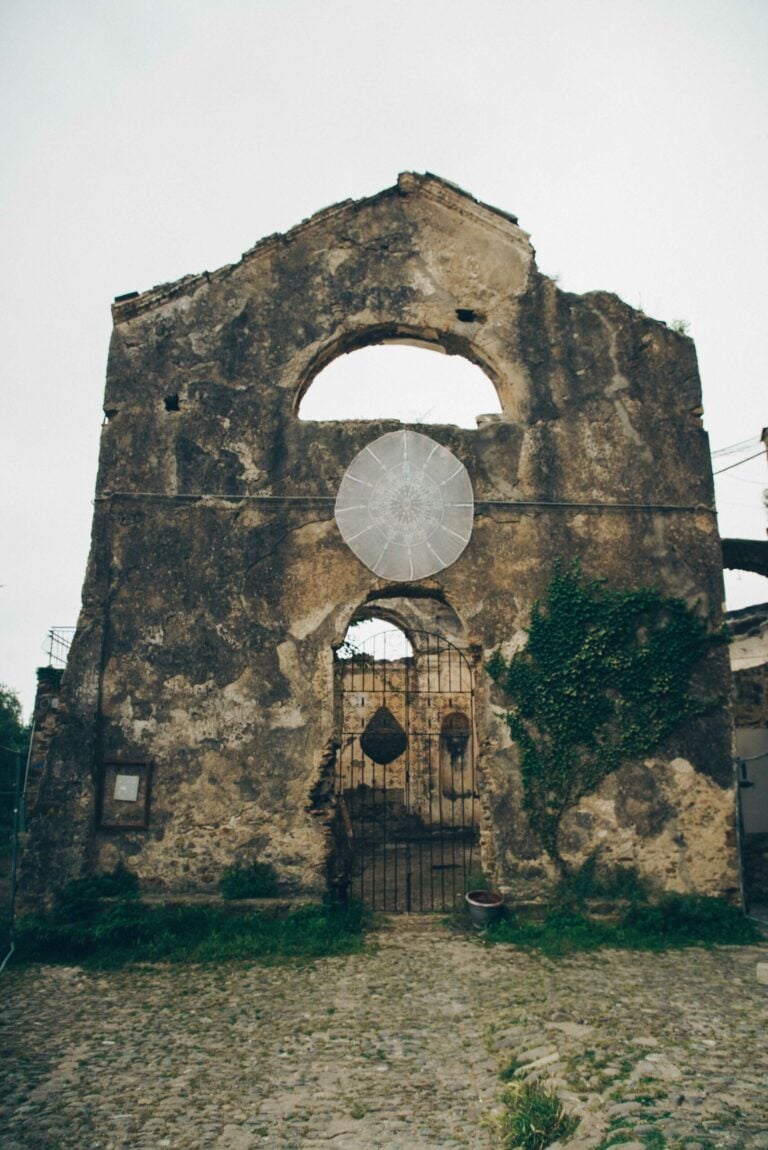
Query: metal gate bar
412,808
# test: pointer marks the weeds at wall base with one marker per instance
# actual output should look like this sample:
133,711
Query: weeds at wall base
674,921
598,906
253,880
108,936
100,922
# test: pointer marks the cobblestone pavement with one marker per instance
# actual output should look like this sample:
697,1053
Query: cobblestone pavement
398,1047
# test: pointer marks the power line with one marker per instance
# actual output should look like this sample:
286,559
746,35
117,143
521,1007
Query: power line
746,479
731,465
732,448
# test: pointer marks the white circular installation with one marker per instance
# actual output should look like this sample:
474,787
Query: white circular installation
405,506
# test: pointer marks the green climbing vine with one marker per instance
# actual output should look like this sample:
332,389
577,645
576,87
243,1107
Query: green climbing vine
604,678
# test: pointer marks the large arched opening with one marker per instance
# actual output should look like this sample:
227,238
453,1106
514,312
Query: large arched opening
399,380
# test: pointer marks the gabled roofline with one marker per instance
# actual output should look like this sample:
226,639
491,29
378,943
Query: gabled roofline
428,185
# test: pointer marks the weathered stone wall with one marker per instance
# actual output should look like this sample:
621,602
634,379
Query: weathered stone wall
45,716
750,696
218,582
748,651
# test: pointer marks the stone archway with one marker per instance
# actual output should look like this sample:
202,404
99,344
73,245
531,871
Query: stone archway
406,823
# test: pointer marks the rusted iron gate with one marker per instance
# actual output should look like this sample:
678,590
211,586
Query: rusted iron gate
405,778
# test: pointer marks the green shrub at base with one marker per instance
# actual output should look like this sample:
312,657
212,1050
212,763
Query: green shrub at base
675,921
596,880
256,880
80,899
688,919
130,931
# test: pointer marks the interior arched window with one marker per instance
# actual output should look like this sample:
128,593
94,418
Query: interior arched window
404,382
377,638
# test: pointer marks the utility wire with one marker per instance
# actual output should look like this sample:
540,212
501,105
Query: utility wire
745,479
734,447
731,465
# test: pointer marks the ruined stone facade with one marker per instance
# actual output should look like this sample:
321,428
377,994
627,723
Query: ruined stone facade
219,585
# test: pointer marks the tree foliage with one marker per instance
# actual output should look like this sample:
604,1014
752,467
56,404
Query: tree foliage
13,733
603,679
14,737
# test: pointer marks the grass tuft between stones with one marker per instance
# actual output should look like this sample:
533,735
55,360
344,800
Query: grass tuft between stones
532,1118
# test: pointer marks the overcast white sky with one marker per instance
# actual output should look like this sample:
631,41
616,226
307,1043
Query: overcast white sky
145,140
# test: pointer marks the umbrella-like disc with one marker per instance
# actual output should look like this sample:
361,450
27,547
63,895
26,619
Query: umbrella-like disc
405,506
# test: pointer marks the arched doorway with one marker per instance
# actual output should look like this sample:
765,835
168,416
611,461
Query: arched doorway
406,826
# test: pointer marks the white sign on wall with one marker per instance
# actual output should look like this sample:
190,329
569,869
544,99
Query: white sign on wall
127,788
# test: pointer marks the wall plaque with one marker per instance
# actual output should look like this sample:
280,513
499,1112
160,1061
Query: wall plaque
124,794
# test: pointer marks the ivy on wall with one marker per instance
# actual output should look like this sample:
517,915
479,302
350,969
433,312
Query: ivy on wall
604,678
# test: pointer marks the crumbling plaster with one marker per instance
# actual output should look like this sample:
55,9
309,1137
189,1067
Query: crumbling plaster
218,583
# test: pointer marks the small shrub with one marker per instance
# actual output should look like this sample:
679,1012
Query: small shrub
256,880
595,880
621,882
685,919
562,931
476,880
509,1070
681,326
50,675
533,1118
80,899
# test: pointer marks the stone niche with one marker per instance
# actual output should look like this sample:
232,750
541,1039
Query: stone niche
203,684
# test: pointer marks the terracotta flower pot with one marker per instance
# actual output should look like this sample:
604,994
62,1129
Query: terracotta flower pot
485,907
